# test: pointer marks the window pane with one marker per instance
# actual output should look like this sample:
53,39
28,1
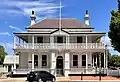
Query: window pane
35,60
59,39
39,39
44,63
36,57
44,57
83,57
35,63
79,39
75,63
83,60
83,63
44,60
75,57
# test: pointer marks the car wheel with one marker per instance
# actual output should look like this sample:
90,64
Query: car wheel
39,80
53,80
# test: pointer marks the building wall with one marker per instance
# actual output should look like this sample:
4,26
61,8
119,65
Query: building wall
23,60
89,57
26,57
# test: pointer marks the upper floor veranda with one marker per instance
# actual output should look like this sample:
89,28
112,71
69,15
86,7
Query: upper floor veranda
35,40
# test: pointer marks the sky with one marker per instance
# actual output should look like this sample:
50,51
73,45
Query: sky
15,15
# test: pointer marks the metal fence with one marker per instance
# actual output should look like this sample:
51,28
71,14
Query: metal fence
114,72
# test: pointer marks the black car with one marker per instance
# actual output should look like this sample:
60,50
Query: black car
40,76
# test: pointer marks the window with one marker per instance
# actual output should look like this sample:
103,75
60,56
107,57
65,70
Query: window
35,60
40,39
59,39
75,60
44,60
79,39
83,60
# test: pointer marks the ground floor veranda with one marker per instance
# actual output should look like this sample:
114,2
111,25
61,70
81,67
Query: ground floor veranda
62,62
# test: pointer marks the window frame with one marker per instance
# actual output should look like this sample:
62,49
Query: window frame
39,39
59,40
36,60
83,60
76,60
79,39
44,61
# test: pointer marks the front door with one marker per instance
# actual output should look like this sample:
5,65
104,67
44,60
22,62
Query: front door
59,66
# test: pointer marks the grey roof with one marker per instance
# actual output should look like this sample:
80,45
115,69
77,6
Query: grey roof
11,59
54,23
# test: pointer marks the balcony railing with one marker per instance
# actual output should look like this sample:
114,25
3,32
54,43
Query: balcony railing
59,46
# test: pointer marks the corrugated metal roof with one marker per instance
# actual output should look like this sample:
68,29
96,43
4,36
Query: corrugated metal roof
11,59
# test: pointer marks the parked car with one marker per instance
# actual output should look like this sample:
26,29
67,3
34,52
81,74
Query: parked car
40,76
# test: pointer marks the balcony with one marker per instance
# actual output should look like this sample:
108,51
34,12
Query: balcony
59,46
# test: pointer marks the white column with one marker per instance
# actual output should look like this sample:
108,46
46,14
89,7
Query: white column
104,60
7,68
96,60
67,63
53,63
86,55
33,53
93,62
86,61
12,67
33,41
33,61
14,41
86,41
14,61
52,41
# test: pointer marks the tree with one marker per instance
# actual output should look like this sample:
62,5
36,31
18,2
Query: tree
114,30
115,61
2,54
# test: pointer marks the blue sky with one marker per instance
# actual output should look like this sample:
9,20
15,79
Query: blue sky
15,15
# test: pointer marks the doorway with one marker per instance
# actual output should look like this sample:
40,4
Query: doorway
59,66
9,68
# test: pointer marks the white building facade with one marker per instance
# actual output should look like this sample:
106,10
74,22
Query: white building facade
61,46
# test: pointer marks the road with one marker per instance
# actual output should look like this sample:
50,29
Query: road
23,80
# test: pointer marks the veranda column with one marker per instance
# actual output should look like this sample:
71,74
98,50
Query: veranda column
14,41
15,60
93,61
53,63
99,62
86,54
52,41
67,63
104,59
33,52
106,54
96,60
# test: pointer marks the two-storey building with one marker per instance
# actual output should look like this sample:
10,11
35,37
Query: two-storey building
61,46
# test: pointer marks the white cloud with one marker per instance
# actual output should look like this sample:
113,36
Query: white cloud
16,28
5,34
42,8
